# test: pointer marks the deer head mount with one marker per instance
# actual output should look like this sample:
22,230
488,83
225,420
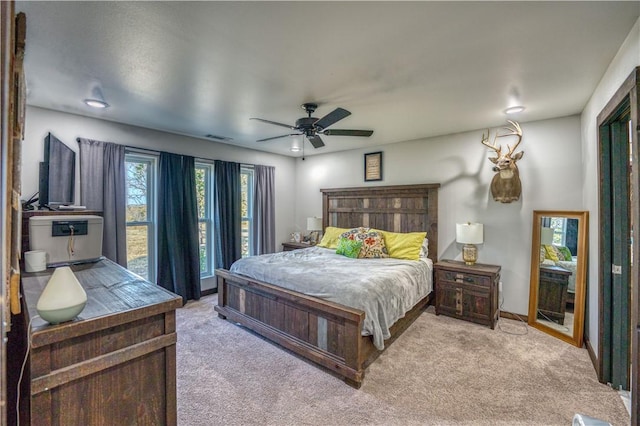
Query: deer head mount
505,186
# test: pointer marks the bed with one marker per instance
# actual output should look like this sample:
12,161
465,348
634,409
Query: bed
323,331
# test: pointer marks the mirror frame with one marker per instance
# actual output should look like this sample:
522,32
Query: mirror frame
581,270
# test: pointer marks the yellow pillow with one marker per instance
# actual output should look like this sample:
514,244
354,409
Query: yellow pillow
403,245
331,237
551,252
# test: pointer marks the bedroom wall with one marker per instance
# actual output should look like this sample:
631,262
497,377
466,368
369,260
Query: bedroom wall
68,127
627,58
550,170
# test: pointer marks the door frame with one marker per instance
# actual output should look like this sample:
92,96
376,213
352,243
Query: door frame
628,92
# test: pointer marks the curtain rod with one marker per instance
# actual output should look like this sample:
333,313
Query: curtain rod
142,150
156,152
203,159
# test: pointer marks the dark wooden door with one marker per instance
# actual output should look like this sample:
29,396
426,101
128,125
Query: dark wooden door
616,239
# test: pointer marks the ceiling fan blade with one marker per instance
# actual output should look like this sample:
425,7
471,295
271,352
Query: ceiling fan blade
278,137
344,132
316,141
333,117
274,122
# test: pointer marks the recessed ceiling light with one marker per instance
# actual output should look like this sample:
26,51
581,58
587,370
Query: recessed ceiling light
514,109
96,103
218,137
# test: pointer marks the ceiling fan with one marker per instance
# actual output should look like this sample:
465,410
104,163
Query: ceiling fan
312,128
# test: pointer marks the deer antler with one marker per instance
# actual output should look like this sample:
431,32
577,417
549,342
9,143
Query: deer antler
485,142
515,131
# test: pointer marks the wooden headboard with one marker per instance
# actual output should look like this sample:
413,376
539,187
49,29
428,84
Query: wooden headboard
397,208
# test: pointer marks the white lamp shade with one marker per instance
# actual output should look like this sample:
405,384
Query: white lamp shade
469,233
546,236
63,298
314,224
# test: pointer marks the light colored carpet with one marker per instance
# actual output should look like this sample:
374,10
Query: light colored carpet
441,371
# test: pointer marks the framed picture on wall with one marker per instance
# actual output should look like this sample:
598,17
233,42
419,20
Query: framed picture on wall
373,166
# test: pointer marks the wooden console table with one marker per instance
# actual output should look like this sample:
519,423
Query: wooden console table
114,364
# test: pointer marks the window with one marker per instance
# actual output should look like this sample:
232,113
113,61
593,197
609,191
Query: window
204,175
559,226
140,214
246,209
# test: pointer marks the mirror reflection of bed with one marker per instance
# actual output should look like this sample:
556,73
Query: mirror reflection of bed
557,274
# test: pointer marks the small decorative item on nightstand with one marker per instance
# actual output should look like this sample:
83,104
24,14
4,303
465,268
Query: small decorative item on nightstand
468,292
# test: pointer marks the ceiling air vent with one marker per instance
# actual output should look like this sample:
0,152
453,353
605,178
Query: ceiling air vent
218,138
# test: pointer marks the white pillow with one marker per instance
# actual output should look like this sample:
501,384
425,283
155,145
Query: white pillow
424,249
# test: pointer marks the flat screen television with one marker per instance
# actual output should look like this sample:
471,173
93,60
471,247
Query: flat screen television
57,173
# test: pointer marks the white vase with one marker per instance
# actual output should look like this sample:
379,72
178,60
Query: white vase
63,298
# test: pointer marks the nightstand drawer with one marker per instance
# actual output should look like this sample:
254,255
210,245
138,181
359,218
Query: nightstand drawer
464,278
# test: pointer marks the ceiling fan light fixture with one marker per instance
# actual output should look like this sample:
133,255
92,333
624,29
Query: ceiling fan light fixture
311,128
514,109
295,145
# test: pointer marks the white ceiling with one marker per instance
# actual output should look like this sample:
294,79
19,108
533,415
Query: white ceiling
406,70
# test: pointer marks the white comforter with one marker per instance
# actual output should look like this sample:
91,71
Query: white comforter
385,289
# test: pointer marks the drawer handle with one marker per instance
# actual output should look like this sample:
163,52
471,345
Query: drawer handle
460,278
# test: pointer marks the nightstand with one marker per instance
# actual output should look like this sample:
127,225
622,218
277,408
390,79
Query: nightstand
468,292
290,245
552,293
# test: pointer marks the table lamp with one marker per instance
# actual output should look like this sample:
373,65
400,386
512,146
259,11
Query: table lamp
469,234
314,226
546,236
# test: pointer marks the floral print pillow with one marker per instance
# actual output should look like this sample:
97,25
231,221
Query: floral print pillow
373,246
352,234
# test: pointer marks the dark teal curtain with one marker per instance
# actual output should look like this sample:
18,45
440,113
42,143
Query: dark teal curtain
227,213
178,254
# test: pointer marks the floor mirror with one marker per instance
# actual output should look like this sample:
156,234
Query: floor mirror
558,273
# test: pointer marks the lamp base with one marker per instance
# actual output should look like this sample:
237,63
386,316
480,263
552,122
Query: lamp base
469,254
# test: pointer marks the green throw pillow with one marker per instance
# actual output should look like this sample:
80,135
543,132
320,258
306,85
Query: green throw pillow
566,252
349,248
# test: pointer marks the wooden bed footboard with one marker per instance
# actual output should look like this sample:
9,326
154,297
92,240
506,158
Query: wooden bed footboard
324,332
327,333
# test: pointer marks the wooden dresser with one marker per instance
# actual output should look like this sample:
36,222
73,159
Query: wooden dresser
468,292
114,364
